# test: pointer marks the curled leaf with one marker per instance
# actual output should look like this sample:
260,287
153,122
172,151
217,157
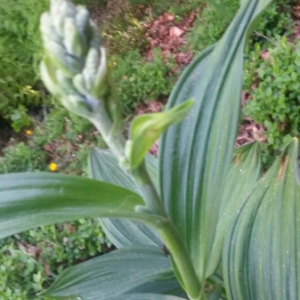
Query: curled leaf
48,76
146,129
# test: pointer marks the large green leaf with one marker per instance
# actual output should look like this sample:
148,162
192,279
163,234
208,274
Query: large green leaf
261,258
104,166
146,297
29,200
195,155
168,285
244,172
112,274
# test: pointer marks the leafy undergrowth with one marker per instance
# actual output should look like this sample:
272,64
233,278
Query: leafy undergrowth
30,261
270,99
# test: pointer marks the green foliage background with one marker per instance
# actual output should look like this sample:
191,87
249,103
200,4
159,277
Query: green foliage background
20,51
275,103
30,261
141,81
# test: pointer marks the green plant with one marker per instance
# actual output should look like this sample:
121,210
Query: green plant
275,21
211,227
31,261
22,158
60,122
20,51
177,7
142,81
216,15
211,23
275,102
125,32
89,3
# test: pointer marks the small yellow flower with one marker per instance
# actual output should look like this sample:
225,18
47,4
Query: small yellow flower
29,132
53,167
28,89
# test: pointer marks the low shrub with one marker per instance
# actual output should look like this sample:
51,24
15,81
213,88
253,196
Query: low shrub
142,81
211,22
215,16
275,101
20,157
125,32
20,49
31,261
275,22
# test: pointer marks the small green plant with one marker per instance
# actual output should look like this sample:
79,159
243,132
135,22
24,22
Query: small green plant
17,271
176,7
63,138
211,23
142,81
275,102
276,21
22,158
216,15
31,261
125,32
20,51
60,122
198,223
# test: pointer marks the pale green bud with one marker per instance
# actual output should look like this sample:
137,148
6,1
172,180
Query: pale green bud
78,62
49,78
102,82
77,105
82,20
91,65
66,84
96,36
79,84
72,39
58,25
61,9
47,29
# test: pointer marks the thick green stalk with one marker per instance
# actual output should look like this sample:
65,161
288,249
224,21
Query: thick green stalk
185,271
147,188
113,138
169,233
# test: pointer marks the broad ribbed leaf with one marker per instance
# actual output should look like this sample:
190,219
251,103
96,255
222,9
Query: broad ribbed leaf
29,200
168,285
145,297
112,274
104,166
196,154
261,258
244,172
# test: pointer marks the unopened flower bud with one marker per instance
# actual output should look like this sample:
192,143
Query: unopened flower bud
74,67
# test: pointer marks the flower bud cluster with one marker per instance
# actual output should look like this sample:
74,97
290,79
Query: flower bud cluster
74,67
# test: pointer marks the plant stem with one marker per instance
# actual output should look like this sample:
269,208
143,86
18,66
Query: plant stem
104,124
148,190
184,271
183,268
